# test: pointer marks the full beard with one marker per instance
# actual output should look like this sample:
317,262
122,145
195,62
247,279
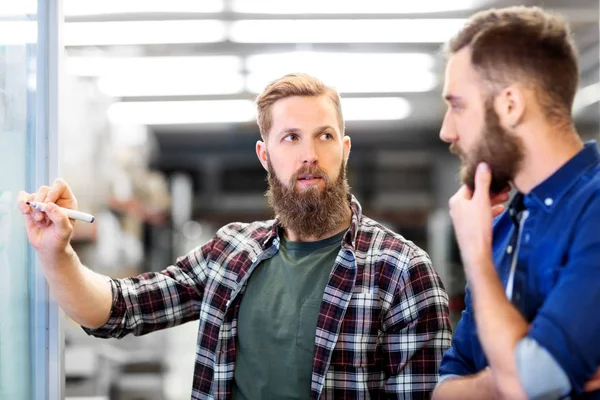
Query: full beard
498,147
312,212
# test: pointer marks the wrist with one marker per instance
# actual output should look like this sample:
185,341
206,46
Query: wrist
52,261
508,388
479,264
488,383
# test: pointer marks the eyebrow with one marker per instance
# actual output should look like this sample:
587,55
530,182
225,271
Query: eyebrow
324,128
287,131
451,98
320,129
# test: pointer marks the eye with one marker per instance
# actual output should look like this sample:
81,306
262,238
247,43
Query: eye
292,137
327,136
456,107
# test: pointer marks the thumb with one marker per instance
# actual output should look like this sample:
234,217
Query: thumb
483,180
62,225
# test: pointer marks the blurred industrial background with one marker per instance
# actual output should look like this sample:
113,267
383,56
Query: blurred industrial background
157,137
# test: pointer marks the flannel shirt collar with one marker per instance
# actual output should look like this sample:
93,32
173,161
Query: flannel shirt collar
349,237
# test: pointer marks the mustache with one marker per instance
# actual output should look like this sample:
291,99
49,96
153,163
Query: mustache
454,149
310,170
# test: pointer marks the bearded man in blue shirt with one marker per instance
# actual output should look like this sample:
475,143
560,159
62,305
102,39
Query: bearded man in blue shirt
531,326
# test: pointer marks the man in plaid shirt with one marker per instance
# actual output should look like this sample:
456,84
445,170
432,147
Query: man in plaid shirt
321,302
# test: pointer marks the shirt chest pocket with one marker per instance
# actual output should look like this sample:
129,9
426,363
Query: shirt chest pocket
357,342
543,277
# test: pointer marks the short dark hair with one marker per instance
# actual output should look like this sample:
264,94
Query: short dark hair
526,45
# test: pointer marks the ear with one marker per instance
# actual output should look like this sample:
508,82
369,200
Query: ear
510,106
347,145
261,153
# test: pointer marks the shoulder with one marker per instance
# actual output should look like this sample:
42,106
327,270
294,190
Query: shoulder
242,234
587,183
581,204
237,231
405,277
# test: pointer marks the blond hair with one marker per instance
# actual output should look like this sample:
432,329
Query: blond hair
293,85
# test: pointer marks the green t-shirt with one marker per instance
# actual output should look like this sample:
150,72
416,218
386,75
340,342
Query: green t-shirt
277,321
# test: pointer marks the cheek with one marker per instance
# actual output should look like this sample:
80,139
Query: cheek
471,133
284,154
333,167
331,153
282,168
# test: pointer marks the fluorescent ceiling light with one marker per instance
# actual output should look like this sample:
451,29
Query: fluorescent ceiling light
182,112
375,108
350,6
73,8
359,82
171,84
337,62
86,7
346,31
143,32
232,111
18,32
153,68
347,72
586,97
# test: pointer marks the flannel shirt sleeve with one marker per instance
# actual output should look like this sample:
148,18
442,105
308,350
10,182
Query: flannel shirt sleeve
416,331
157,300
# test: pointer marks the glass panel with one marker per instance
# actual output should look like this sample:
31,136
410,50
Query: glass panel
17,130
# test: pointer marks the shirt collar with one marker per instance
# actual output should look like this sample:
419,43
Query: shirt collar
349,237
515,207
552,190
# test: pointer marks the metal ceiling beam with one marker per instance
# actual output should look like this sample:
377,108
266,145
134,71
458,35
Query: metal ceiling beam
244,49
573,14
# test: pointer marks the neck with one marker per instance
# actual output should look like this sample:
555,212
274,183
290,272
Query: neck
545,153
294,237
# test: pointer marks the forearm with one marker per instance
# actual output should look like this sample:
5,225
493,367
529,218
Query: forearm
499,327
83,294
471,387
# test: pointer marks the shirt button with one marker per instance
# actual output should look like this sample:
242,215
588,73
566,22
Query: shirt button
509,250
527,237
548,201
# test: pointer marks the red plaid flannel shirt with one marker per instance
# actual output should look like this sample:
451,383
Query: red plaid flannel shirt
381,332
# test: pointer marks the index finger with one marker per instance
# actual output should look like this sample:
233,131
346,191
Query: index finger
483,180
22,199
23,196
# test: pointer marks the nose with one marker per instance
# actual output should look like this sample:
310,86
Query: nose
447,131
309,154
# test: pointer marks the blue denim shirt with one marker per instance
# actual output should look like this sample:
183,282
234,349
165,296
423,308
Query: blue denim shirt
556,283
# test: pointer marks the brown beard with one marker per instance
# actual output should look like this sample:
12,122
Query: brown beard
498,147
313,212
